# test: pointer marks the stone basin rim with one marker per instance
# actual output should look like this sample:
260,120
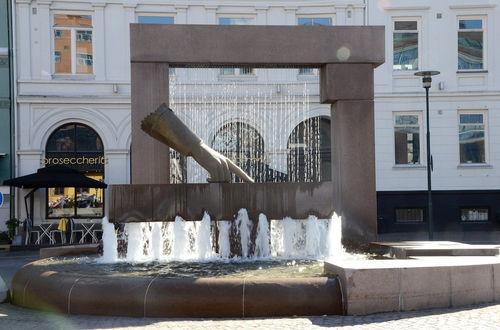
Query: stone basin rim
174,297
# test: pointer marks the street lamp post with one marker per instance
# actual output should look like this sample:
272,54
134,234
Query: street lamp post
426,83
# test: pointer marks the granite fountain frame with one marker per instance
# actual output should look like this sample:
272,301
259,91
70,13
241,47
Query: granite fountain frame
346,56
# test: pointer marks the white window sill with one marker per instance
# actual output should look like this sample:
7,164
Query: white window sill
465,72
462,166
409,166
82,76
404,73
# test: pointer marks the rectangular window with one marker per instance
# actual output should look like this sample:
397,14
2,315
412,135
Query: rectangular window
405,45
312,21
72,43
76,203
470,44
57,57
474,214
408,215
316,21
84,60
472,138
147,19
407,139
236,21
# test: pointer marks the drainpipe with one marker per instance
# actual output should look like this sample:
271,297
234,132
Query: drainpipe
10,46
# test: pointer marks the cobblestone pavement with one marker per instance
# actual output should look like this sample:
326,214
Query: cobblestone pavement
484,317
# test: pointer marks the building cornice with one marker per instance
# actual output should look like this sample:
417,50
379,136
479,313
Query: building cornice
29,152
23,2
72,99
454,94
412,8
489,6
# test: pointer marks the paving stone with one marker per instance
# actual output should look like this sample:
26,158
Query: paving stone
485,316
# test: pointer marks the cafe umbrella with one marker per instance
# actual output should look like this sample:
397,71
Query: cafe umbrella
51,177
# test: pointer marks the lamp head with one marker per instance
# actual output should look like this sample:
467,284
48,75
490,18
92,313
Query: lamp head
426,77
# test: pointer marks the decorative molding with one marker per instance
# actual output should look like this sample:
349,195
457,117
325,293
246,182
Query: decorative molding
472,7
29,152
98,4
407,8
44,3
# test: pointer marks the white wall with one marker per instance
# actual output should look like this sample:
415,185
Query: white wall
103,100
402,91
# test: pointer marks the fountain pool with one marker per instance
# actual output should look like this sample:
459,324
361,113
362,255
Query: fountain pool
192,269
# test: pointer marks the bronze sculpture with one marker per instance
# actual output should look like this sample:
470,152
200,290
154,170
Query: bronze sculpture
166,127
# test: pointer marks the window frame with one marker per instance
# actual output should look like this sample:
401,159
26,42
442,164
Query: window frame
421,157
419,41
153,14
412,222
76,191
484,21
330,16
73,36
486,138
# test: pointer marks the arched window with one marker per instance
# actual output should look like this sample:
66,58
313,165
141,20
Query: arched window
76,146
309,151
245,146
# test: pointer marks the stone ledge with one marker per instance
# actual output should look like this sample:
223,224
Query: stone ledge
49,290
374,286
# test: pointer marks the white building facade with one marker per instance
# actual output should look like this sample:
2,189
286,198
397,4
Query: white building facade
72,60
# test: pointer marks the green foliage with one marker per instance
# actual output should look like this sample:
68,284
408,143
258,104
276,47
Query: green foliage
12,224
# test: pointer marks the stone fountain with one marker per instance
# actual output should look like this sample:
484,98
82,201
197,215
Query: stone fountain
346,57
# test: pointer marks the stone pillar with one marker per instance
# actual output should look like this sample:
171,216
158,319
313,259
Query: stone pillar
99,44
261,15
23,42
181,17
150,158
211,15
45,40
349,87
129,18
291,15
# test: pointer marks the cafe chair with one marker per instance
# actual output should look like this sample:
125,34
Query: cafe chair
98,230
59,231
29,232
74,231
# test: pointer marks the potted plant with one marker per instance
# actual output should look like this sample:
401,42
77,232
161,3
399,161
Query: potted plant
12,225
